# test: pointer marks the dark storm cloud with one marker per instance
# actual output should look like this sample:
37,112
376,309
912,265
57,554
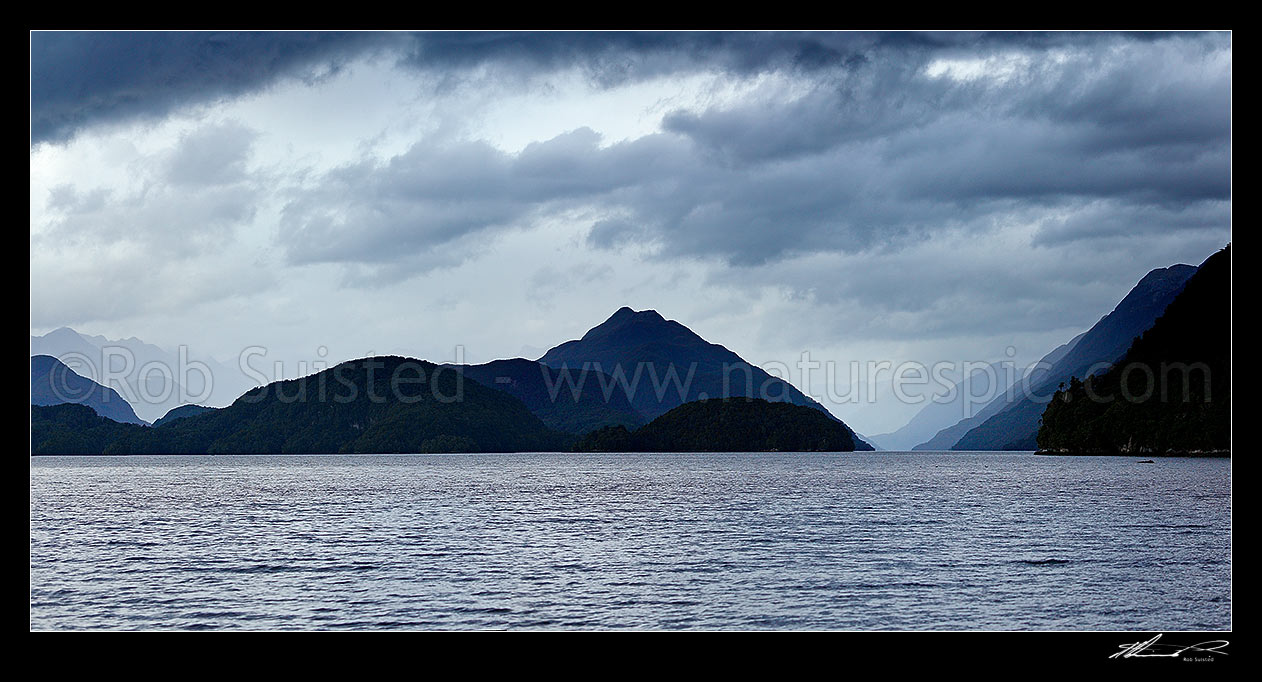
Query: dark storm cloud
891,149
82,78
761,130
964,159
612,58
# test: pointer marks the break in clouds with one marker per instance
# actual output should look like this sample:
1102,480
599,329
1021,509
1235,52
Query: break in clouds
921,196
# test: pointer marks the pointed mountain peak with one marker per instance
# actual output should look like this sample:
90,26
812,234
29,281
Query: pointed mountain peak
676,364
626,313
626,319
62,331
1179,271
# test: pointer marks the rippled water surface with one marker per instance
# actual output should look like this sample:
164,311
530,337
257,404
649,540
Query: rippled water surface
871,541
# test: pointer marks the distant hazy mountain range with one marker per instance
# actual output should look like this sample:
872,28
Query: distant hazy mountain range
660,364
965,399
1011,422
147,376
950,435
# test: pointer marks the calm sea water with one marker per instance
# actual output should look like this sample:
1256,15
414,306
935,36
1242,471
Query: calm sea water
872,541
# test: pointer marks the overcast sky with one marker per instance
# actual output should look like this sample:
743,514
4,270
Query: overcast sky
863,197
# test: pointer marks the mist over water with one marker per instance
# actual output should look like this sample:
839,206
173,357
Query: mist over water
872,541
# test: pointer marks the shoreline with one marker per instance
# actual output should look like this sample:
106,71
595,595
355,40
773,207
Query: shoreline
1224,454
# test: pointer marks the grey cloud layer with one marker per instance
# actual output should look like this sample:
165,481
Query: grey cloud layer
380,212
160,239
1082,141
188,200
857,143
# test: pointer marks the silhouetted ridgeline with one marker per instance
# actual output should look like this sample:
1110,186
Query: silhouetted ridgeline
731,425
372,405
1170,394
660,364
381,405
181,412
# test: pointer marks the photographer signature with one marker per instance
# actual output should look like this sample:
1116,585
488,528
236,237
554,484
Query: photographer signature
1151,649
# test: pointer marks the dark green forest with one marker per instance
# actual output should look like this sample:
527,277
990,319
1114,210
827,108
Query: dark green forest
74,429
731,425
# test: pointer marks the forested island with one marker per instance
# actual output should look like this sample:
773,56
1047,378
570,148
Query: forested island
727,425
403,405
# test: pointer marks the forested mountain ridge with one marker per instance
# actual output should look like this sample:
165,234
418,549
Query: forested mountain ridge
372,405
1171,393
